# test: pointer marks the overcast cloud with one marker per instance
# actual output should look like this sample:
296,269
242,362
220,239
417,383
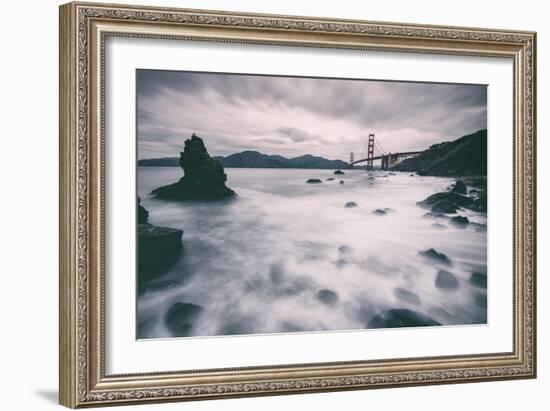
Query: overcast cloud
294,116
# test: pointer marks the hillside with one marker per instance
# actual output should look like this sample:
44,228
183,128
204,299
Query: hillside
255,159
465,156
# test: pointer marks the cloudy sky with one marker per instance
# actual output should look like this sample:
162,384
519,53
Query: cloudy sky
293,116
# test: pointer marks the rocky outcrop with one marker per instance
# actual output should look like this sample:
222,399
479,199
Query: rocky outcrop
158,249
204,177
459,221
143,214
465,156
400,317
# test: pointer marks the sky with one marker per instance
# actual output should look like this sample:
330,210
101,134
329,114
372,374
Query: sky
293,116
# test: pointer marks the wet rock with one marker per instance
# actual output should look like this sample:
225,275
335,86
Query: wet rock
446,280
459,221
480,204
350,204
158,249
339,172
478,280
438,226
444,207
204,177
181,317
313,181
459,187
382,211
400,317
330,179
143,214
406,296
327,297
411,175
341,182
458,200
433,255
345,249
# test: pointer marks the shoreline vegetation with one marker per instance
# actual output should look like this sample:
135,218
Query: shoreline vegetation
205,180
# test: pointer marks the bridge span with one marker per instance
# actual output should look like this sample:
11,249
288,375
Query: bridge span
387,159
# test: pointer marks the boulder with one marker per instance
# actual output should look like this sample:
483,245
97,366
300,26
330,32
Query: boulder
433,255
350,204
444,207
181,317
330,179
313,181
143,214
459,187
478,280
446,280
327,297
204,177
339,172
459,221
458,200
379,211
400,317
341,181
158,249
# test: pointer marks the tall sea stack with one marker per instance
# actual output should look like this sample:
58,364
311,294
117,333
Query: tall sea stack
204,178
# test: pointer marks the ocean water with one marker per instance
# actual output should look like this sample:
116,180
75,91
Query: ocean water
256,264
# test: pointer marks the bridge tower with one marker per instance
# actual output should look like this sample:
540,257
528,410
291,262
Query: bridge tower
351,158
370,151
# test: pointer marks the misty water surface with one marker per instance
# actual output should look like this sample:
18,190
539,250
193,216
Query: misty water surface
256,263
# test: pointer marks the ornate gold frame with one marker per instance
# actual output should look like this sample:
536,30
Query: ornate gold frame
83,30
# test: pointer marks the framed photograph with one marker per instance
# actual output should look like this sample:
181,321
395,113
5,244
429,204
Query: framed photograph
259,204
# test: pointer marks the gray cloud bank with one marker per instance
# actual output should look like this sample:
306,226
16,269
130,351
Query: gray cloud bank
292,116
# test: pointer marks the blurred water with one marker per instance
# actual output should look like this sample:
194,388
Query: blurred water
256,263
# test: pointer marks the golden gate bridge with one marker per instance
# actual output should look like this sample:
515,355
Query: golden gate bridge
387,160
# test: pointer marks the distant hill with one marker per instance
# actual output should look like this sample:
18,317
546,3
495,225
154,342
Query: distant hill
255,159
463,157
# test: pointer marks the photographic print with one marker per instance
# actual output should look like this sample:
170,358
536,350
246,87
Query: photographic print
275,204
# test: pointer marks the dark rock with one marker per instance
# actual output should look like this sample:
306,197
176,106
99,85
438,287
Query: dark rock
444,206
327,297
400,317
457,200
446,280
406,296
480,204
480,228
158,249
341,181
350,204
382,211
339,172
411,175
181,317
435,256
459,221
438,226
459,187
479,280
330,179
143,214
345,249
313,181
204,177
